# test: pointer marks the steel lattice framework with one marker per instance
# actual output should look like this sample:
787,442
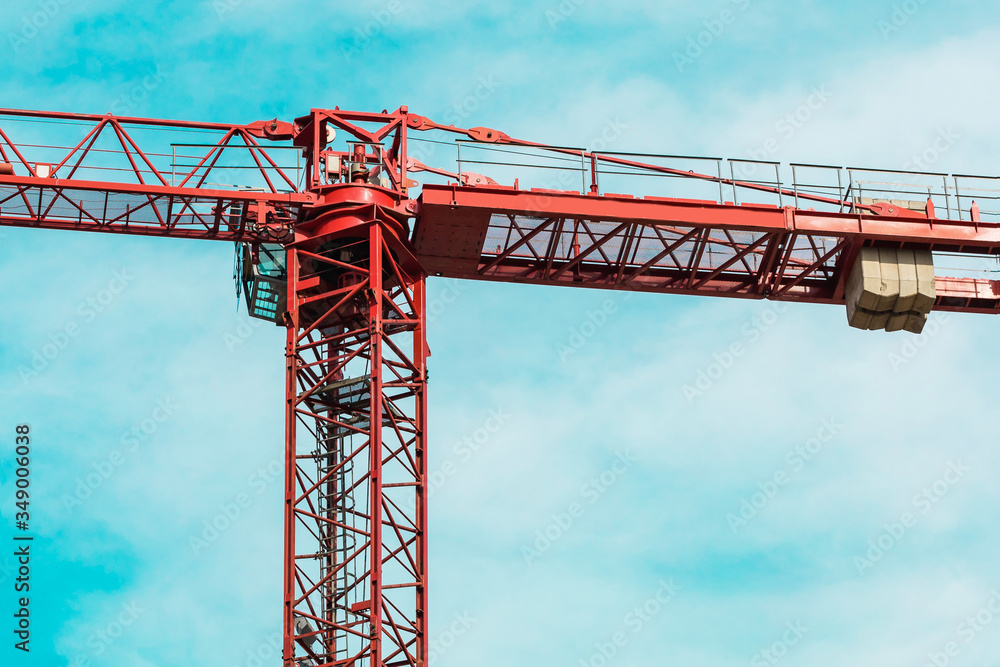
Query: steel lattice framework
337,250
706,248
355,547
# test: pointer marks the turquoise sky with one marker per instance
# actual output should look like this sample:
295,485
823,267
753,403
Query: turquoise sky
880,439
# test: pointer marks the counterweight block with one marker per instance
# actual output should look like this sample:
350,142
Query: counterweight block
890,289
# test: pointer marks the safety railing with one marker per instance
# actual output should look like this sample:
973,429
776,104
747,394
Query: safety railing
734,181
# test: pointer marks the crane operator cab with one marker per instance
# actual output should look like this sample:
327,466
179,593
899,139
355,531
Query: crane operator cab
262,277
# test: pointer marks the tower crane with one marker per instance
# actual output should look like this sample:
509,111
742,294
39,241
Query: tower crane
337,238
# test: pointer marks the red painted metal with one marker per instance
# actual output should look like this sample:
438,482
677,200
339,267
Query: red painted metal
355,541
677,246
355,550
129,187
148,210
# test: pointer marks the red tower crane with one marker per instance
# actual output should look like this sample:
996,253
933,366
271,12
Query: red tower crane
337,249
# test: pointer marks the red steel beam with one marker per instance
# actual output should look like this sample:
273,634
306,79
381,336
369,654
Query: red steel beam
453,223
440,204
96,118
144,209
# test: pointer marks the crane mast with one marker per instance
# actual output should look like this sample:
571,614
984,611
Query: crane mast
336,249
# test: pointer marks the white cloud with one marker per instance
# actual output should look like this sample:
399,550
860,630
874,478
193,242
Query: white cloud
496,347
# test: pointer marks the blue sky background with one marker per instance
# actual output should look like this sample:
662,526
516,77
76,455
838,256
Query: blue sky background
559,73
